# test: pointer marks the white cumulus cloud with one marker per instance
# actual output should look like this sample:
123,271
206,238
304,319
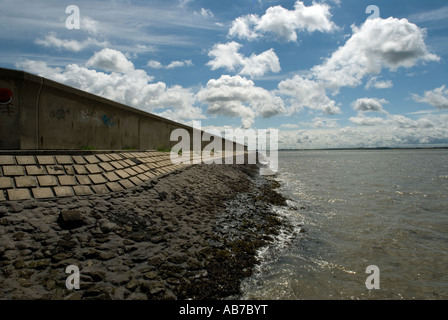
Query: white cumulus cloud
227,56
283,23
306,93
438,97
110,60
368,105
236,96
379,43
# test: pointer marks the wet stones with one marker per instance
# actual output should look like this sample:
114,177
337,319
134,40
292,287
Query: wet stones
189,235
71,219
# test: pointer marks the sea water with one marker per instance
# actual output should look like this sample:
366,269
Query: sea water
351,209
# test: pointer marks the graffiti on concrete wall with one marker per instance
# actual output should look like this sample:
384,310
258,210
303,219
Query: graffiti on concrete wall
108,121
60,113
90,115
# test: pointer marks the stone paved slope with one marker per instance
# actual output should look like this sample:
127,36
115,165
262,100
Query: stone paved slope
25,177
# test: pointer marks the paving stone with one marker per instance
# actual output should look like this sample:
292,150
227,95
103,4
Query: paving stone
158,171
47,181
97,178
13,171
114,186
63,191
123,163
64,159
142,167
25,182
149,175
111,176
143,177
7,160
171,167
103,157
45,160
67,180
42,193
91,159
82,190
152,165
80,169
6,183
85,180
126,183
136,181
106,166
115,156
122,174
79,160
93,168
55,170
100,189
165,170
116,165
138,169
2,196
35,170
129,162
25,160
130,171
126,155
18,194
69,170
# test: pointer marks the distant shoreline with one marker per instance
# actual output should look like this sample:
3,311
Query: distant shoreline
379,148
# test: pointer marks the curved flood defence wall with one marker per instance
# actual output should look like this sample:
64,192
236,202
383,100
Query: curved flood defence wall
40,114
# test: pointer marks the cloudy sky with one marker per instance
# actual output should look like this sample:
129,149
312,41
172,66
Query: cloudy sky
334,73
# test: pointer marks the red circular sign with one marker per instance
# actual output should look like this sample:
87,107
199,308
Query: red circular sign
5,96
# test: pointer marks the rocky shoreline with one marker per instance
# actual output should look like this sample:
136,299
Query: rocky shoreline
191,234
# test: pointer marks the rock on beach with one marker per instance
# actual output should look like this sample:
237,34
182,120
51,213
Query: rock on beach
192,234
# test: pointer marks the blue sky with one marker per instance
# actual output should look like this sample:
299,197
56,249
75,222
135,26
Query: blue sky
324,73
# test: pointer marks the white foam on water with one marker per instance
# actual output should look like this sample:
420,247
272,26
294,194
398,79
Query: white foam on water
269,280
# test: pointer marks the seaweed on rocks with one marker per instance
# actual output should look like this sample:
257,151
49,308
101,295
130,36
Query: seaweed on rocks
192,234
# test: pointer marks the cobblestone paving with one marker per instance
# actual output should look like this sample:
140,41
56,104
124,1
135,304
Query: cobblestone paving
48,176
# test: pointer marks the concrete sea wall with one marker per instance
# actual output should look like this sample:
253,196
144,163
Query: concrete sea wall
40,114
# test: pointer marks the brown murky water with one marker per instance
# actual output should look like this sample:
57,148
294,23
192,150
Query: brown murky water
357,208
